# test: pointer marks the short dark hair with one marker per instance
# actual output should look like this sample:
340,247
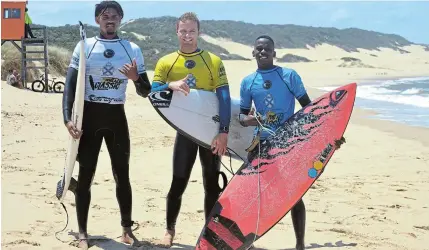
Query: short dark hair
188,16
100,8
266,37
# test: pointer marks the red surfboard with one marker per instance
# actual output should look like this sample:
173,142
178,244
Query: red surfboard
264,190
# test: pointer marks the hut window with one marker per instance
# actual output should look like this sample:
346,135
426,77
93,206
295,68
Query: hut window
12,13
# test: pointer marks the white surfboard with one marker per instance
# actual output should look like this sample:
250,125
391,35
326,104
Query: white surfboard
77,116
196,116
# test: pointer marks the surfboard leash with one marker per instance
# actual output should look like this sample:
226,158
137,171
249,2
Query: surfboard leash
67,223
230,170
271,132
89,238
259,197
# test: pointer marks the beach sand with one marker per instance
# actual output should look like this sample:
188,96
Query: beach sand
373,194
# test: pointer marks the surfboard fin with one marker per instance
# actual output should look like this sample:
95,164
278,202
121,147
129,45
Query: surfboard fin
60,187
254,143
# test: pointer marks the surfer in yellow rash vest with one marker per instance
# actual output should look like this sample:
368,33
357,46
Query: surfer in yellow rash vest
191,67
111,62
266,88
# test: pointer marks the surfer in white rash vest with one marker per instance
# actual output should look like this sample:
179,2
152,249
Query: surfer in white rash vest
111,62
274,106
191,67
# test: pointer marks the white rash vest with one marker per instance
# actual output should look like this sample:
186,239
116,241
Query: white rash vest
104,57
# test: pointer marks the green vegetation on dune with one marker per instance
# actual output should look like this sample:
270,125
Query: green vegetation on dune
160,38
295,36
59,59
293,58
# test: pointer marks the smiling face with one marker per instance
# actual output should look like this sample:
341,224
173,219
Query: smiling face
264,53
109,21
187,33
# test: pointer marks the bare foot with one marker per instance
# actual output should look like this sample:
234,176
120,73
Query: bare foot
83,241
129,238
167,242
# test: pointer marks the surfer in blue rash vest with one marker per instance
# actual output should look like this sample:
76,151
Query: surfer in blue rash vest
273,90
191,67
111,62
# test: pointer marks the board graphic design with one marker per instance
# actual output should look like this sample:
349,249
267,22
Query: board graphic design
278,173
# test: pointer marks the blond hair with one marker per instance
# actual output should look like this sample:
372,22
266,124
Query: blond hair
188,16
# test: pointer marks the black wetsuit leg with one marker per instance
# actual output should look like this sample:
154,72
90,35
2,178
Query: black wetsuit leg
118,145
108,122
298,212
298,220
89,149
211,167
184,156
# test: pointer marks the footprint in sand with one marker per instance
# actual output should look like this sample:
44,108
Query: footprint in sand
412,235
395,206
405,197
422,227
96,207
22,241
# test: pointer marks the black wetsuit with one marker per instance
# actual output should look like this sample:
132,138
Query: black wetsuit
184,156
103,120
205,71
106,121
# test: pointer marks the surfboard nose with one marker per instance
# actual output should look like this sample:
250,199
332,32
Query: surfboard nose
341,92
351,88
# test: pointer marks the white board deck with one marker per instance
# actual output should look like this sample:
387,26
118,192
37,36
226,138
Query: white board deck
196,116
77,116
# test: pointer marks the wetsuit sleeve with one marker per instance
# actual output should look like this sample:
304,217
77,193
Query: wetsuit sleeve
70,85
224,98
304,100
245,98
223,95
160,76
142,84
69,93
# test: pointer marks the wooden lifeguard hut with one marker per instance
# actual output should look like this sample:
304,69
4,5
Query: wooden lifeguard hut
13,29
